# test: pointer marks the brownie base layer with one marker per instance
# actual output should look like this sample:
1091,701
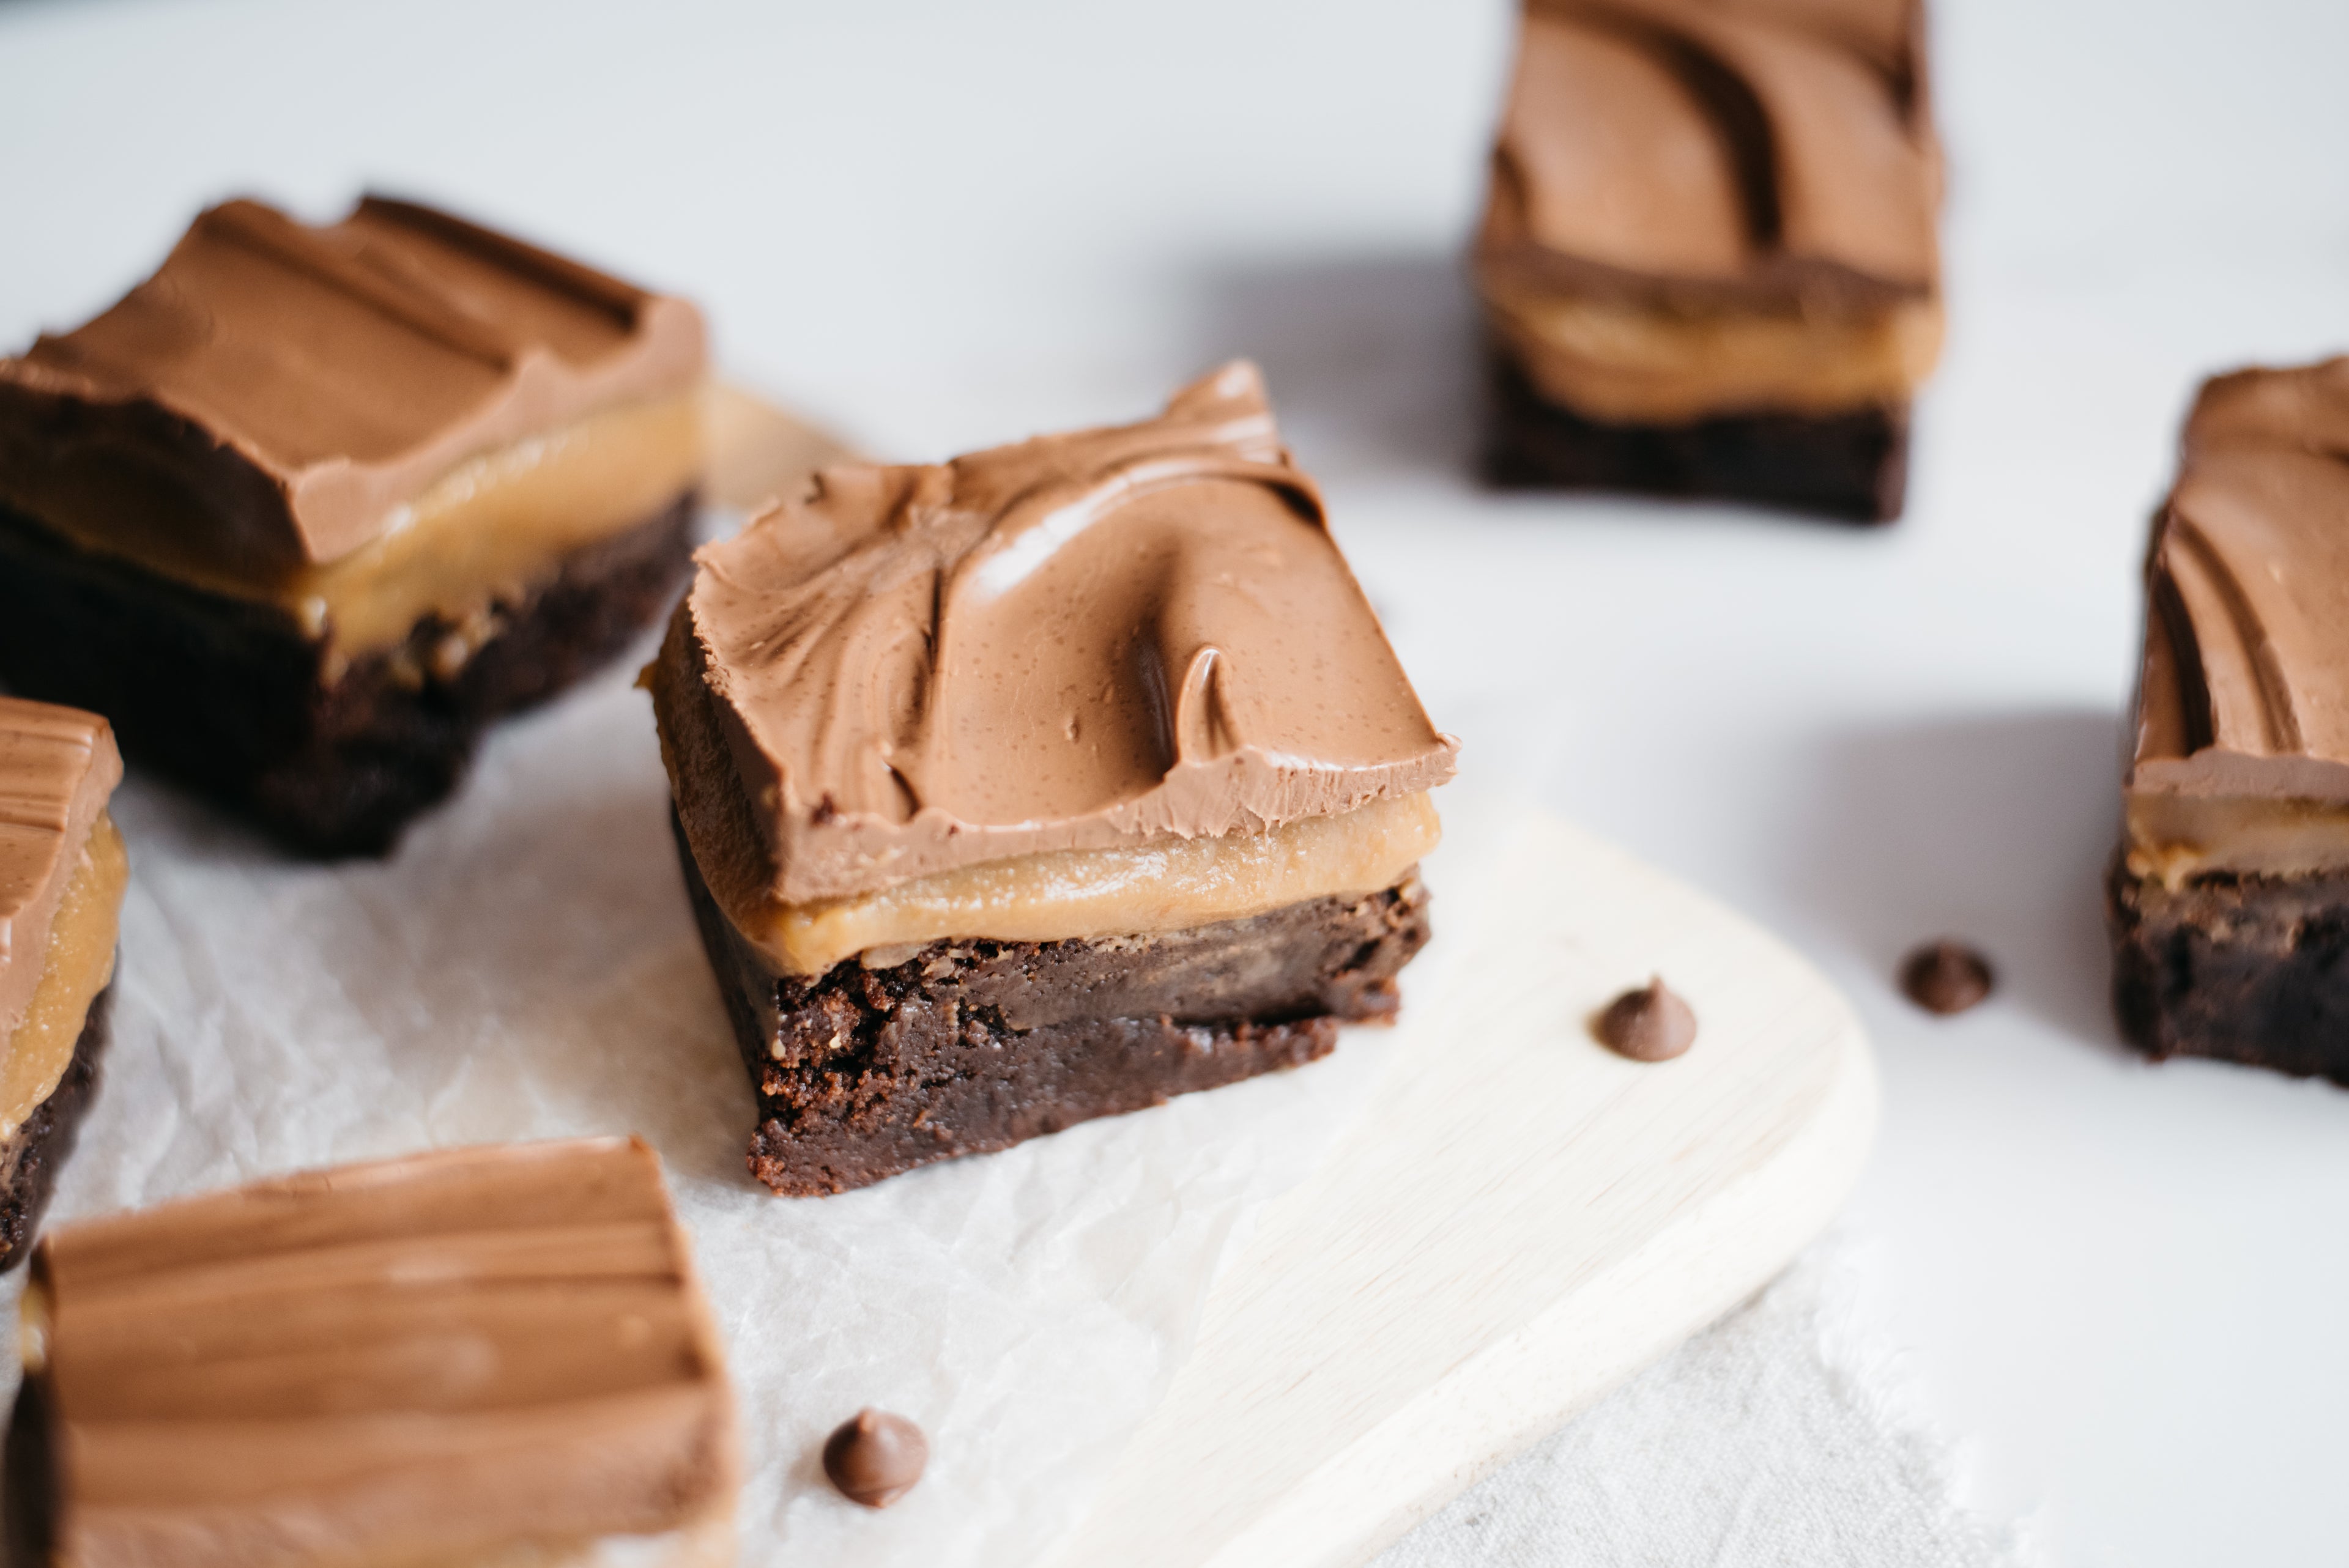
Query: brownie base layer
32,1156
30,1472
1852,466
2244,969
970,1046
232,699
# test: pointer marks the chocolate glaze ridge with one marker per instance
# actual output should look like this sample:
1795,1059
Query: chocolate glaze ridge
58,766
2245,690
1100,639
419,1359
1710,153
287,388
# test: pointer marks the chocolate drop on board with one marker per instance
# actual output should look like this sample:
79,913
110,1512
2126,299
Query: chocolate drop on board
1946,976
875,1458
1649,1024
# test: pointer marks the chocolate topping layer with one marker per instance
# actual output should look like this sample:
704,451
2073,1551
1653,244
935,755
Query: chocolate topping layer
57,768
1115,637
1710,151
408,1361
280,390
2244,690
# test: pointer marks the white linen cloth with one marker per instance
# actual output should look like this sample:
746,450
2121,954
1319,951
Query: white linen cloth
1776,1439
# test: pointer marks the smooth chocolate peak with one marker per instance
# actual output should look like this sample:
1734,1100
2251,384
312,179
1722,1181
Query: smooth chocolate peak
1648,1024
57,768
1100,639
1706,149
304,382
411,1360
875,1457
2245,686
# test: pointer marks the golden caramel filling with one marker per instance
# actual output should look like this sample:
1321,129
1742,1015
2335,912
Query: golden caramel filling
488,530
1630,363
2172,838
79,962
493,527
1068,894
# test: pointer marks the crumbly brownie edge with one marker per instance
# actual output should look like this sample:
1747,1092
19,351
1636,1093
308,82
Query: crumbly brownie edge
232,700
2243,969
1851,465
32,1156
973,1045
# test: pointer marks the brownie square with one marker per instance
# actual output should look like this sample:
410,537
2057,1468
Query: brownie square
1708,257
63,872
1039,786
2228,901
311,507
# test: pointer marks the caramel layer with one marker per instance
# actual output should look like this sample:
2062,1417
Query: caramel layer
1628,361
2172,838
486,529
80,961
1061,894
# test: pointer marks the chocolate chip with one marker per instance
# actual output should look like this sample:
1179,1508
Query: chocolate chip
876,1458
1946,976
1647,1024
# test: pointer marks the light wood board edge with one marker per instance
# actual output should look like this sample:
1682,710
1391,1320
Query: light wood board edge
1518,1221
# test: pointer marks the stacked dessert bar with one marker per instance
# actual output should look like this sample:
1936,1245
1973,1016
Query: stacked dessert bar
1707,259
1040,785
62,870
2229,897
311,506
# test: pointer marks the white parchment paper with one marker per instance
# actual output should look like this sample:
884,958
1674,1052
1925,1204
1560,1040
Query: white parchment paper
526,967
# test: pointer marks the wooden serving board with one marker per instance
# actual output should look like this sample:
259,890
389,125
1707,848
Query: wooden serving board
1518,1220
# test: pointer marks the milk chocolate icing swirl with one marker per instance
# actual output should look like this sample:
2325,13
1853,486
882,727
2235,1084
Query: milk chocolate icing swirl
416,1361
281,388
1717,151
2245,686
57,768
1107,638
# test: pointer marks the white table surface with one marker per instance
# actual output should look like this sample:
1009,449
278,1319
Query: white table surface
943,224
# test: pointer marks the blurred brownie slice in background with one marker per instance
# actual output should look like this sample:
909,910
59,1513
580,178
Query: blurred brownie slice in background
1708,260
2228,900
1040,785
309,508
62,870
475,1358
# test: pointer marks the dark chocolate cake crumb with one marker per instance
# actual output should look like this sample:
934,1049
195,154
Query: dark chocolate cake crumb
1648,1024
875,1458
1946,976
